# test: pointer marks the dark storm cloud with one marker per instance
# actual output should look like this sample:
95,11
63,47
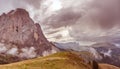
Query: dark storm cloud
65,17
35,3
107,13
99,18
104,13
7,5
24,3
32,6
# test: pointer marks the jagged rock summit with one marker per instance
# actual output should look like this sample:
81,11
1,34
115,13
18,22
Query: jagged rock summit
20,36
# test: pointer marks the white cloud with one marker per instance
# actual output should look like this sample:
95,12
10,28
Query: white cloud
12,51
28,52
45,53
3,48
108,53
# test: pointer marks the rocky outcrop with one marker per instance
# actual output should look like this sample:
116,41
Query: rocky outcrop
20,36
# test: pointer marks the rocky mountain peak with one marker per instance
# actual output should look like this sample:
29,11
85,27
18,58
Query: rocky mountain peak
19,11
20,36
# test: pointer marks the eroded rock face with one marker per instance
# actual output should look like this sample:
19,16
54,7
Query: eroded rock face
20,36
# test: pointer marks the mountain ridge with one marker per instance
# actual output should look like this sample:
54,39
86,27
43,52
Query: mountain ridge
21,37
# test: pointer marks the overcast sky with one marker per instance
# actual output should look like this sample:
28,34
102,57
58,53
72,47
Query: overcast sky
72,20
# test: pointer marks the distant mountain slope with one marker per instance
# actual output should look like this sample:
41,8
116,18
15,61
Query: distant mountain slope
109,52
102,52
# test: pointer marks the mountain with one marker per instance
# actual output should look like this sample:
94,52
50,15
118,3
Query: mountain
102,52
109,52
61,60
68,45
74,46
106,45
22,38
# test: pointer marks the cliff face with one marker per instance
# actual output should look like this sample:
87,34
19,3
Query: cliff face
21,37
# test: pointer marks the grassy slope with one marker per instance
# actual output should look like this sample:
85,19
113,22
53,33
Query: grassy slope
107,66
63,60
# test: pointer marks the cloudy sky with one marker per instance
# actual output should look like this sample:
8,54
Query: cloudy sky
85,21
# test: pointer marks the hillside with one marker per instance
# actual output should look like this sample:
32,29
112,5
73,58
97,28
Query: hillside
107,66
63,60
